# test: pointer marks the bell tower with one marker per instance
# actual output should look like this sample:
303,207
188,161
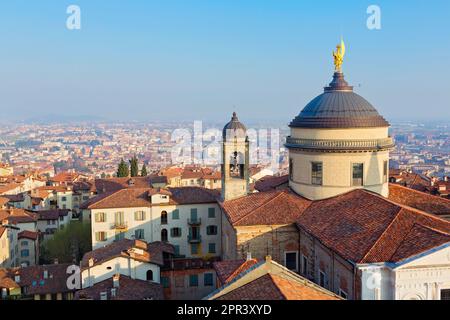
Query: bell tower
235,160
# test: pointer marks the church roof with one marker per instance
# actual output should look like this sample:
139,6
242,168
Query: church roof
339,107
234,128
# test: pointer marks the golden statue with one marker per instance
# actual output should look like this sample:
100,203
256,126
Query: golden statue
338,56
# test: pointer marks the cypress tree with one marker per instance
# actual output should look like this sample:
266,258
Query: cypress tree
134,167
122,170
144,172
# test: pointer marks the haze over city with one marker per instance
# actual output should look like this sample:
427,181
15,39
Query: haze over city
201,60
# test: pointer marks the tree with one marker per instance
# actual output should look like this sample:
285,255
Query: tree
144,172
134,167
122,170
68,245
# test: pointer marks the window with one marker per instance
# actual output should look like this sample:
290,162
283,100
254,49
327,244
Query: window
357,174
208,279
175,214
100,217
316,173
139,215
290,260
445,294
211,230
193,280
304,265
175,232
176,249
164,237
211,212
63,198
25,253
291,169
24,243
149,275
194,214
165,281
212,248
322,279
343,294
119,219
194,248
100,236
119,236
139,234
164,217
85,198
385,171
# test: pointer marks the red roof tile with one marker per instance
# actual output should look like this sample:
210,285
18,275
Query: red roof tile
229,269
364,227
419,200
129,289
265,208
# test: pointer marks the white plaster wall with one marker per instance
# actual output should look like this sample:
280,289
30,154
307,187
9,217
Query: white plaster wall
337,173
344,134
124,266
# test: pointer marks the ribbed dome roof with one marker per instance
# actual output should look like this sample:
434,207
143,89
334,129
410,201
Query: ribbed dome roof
234,128
339,107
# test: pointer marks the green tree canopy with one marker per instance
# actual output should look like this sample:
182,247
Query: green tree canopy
134,166
144,172
68,245
122,170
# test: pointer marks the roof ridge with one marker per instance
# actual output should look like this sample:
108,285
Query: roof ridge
404,206
418,191
399,212
102,199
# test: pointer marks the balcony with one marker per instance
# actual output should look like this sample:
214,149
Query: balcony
341,145
119,225
195,222
194,239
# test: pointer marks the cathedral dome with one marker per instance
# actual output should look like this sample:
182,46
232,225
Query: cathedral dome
234,128
339,107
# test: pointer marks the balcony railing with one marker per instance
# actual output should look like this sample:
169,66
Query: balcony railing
119,225
341,145
195,222
194,239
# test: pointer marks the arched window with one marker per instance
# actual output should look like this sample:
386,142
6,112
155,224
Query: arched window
164,217
149,275
164,237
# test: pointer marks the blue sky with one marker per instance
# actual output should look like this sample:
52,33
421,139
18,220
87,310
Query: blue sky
202,59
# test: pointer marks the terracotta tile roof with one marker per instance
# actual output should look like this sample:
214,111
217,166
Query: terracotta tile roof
228,270
7,279
419,200
28,235
271,281
33,279
52,214
3,201
140,197
17,216
2,230
265,208
6,188
129,289
364,227
65,177
152,252
271,183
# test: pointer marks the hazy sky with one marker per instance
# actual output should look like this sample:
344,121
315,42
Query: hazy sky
202,59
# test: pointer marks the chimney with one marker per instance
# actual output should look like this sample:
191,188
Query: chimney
446,178
249,256
91,262
45,274
116,281
56,261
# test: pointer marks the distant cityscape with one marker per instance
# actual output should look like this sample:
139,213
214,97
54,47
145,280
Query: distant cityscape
95,149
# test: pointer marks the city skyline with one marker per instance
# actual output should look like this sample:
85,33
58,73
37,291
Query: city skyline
153,61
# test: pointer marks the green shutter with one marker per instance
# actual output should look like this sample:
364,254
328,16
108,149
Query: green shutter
211,212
